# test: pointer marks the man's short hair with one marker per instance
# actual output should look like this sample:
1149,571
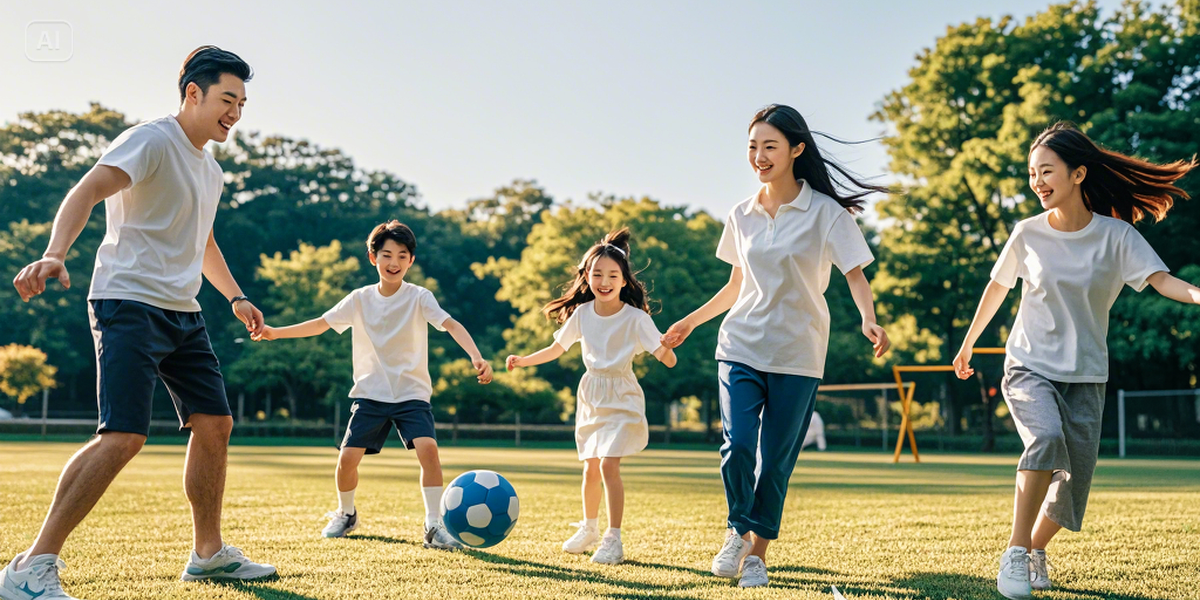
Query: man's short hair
205,65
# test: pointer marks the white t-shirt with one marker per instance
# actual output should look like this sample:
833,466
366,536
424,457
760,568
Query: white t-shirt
780,322
1071,280
157,228
609,343
390,340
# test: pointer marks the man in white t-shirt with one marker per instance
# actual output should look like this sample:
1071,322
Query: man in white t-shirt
161,190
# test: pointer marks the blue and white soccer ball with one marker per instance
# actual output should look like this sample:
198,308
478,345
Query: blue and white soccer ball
480,508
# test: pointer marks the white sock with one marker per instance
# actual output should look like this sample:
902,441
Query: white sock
433,499
346,502
614,532
593,523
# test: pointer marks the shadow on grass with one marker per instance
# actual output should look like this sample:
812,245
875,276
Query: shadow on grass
260,588
381,538
636,589
950,586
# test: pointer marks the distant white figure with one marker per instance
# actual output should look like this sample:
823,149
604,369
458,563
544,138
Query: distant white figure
816,433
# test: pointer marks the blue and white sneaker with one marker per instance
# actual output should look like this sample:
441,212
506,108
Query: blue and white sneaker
340,524
227,563
37,581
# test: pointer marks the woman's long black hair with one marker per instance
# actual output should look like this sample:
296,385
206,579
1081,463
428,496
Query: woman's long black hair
1116,185
810,165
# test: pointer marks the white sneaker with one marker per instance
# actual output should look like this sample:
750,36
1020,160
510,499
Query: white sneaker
37,581
584,539
1039,570
754,572
728,562
1013,580
340,524
227,563
437,537
610,552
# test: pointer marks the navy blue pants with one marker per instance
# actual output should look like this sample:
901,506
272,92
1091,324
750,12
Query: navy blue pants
764,417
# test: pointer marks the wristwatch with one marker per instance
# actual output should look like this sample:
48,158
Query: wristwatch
235,300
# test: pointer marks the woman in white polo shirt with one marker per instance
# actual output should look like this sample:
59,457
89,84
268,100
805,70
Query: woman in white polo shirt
781,243
1075,258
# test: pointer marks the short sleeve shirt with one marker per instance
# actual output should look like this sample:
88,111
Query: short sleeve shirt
1071,280
390,339
157,228
780,321
609,343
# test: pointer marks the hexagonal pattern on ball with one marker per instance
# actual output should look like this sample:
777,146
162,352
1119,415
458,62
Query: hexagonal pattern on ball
484,508
479,516
488,479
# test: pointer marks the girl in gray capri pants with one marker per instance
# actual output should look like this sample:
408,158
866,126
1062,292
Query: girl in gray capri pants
1074,259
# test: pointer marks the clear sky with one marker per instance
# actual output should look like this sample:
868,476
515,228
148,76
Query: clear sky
643,97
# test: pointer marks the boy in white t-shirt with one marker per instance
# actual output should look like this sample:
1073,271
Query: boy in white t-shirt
391,374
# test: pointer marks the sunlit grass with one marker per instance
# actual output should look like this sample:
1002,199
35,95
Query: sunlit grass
874,529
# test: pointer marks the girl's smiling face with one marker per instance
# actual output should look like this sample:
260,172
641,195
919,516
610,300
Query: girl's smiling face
1054,182
606,280
770,154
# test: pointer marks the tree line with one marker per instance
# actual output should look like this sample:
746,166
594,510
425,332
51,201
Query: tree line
294,216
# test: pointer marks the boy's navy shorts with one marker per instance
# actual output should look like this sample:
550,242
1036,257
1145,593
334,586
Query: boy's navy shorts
371,422
137,344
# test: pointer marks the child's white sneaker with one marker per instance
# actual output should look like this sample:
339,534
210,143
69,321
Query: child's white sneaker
340,524
437,537
1039,570
227,563
584,539
754,572
728,562
610,552
37,581
1013,580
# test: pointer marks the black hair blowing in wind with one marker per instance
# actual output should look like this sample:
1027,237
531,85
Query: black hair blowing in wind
811,166
615,245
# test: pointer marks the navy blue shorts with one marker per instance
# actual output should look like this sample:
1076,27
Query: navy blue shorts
138,344
371,422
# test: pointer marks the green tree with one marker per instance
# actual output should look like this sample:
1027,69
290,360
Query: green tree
302,286
959,133
42,155
673,249
24,372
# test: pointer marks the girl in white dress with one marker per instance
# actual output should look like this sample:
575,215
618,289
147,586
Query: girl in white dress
610,413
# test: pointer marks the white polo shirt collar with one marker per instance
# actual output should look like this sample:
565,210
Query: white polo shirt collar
801,202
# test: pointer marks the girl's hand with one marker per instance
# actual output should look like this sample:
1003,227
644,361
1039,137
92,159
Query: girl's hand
512,362
678,332
962,363
484,368
267,334
878,337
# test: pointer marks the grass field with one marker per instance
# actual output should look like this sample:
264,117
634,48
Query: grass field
874,529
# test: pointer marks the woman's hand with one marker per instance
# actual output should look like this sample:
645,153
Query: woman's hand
962,363
677,333
878,337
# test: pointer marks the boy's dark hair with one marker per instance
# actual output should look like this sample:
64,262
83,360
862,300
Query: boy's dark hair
392,230
205,65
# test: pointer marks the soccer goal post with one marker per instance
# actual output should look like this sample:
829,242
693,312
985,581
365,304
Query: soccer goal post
906,396
1122,395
